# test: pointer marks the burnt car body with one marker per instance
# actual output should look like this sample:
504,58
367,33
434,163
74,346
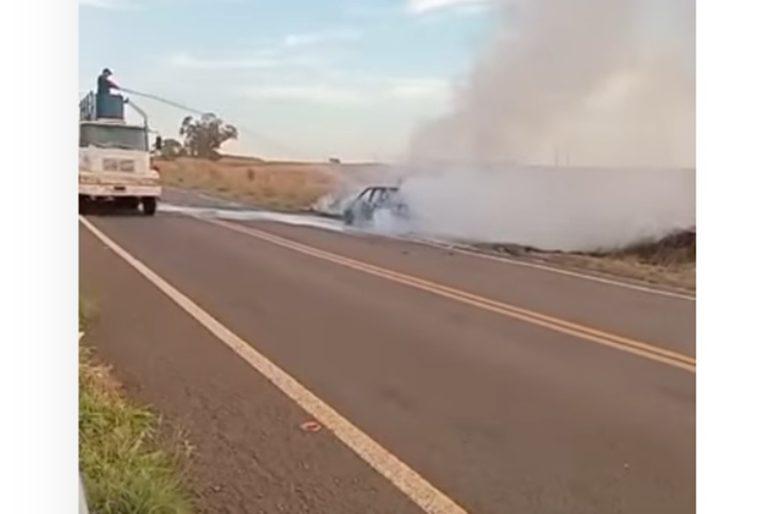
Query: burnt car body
374,199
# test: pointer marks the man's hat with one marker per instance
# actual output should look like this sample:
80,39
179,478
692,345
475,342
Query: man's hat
106,71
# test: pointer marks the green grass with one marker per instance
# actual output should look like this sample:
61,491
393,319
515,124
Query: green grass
127,466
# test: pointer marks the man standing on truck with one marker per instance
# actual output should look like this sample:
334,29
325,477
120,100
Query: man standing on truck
104,84
107,104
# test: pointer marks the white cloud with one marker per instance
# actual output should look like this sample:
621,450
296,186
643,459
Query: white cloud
299,50
324,36
424,6
424,88
109,4
258,61
353,91
325,94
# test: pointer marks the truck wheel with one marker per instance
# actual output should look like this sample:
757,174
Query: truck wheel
128,203
149,204
83,205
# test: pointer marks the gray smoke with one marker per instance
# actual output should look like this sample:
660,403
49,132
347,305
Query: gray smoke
575,130
579,82
552,208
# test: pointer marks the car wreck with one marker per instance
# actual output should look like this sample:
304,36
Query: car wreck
374,199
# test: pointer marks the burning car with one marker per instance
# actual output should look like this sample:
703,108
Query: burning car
375,199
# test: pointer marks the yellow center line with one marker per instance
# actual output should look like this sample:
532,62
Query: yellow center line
583,332
428,497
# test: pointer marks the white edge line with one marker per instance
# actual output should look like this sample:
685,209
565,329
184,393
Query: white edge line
544,267
422,493
444,245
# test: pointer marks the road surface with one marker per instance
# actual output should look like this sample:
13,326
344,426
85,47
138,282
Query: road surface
506,388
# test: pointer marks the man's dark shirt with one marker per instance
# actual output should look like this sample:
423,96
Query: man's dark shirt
104,85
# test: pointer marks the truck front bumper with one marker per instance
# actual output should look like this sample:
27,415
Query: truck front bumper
118,191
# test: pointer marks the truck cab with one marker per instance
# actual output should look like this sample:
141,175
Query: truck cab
114,158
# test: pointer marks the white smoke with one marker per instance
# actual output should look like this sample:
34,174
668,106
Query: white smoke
583,82
575,130
552,208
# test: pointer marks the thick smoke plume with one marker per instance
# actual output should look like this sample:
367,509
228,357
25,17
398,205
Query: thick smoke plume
579,82
572,209
575,130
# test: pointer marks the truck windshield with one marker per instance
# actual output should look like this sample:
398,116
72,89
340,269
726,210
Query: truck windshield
127,138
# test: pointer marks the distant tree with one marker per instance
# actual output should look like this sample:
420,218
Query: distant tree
204,136
171,149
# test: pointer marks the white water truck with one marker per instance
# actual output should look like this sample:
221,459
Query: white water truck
115,157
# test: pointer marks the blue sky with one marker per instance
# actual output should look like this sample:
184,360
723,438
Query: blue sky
304,79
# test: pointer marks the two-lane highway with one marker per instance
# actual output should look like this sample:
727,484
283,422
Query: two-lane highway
508,388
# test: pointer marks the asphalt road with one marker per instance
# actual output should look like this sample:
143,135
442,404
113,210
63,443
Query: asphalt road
511,389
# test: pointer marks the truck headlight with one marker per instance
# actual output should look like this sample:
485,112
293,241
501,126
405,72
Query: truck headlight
86,179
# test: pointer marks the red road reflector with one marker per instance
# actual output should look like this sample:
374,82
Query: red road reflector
311,426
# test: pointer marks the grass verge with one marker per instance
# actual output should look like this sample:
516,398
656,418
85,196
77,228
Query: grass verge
126,463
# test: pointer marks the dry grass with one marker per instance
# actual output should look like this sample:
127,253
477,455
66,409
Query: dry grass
680,275
670,261
283,186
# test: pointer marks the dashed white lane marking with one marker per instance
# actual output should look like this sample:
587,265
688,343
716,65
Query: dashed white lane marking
425,495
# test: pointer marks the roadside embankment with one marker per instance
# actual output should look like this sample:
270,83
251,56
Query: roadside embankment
669,261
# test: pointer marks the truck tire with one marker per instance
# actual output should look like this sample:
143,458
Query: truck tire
83,205
149,205
128,203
